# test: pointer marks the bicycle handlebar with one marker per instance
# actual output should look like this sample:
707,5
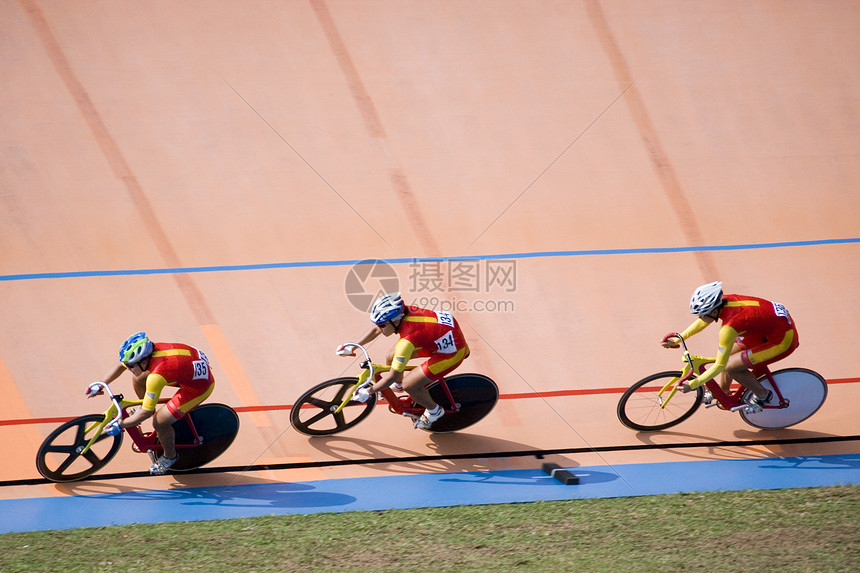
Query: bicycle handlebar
115,398
676,335
687,356
368,363
359,346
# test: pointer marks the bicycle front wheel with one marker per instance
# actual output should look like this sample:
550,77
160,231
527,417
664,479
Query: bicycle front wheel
216,425
313,414
475,394
805,391
59,457
642,408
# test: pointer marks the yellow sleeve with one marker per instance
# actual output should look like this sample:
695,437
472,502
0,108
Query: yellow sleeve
698,326
403,351
728,335
155,383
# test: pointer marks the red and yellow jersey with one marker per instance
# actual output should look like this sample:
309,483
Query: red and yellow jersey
758,325
426,333
755,317
175,365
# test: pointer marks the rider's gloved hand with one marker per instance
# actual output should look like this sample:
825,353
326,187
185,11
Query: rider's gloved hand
685,387
342,350
93,389
362,395
113,429
670,341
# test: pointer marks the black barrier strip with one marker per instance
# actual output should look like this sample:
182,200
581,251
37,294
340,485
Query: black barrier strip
539,454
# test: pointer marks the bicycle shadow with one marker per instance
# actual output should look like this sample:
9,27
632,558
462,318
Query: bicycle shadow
257,493
449,444
690,444
400,460
462,453
96,487
825,462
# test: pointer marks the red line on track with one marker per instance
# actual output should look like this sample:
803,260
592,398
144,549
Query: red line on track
521,396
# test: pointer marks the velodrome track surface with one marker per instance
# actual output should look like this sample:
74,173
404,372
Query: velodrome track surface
565,173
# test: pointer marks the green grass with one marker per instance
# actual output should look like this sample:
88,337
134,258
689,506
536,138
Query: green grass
771,530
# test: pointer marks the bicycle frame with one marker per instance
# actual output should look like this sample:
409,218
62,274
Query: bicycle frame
401,405
695,365
143,442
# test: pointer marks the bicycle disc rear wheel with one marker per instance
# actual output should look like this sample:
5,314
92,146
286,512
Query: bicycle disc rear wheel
313,414
805,391
59,458
217,426
641,407
475,393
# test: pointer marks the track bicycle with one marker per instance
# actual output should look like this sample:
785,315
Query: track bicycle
655,403
329,408
79,447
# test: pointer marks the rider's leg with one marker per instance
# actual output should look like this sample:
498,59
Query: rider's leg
436,368
737,370
163,424
725,377
725,382
415,384
185,399
760,353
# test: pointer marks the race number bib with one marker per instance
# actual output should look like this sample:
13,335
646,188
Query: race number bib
446,344
779,310
201,367
445,318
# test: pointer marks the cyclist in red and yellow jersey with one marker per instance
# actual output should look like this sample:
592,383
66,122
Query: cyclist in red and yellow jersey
423,334
155,365
754,332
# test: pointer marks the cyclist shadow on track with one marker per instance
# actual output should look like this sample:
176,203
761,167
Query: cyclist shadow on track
406,461
701,447
259,494
826,462
453,443
480,469
181,480
397,459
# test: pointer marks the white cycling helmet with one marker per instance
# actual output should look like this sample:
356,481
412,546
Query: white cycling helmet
387,307
706,298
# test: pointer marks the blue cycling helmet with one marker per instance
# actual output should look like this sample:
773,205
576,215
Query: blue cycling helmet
387,307
136,348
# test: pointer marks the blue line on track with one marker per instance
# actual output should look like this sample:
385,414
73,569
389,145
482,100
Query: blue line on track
508,256
424,490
